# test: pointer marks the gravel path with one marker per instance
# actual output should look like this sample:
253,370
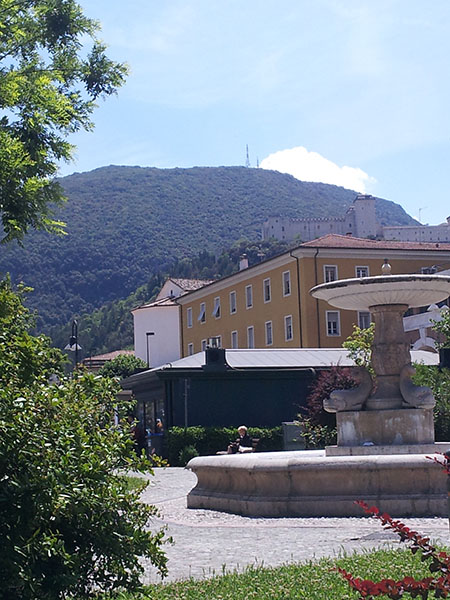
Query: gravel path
209,542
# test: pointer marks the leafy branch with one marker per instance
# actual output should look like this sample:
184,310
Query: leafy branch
439,564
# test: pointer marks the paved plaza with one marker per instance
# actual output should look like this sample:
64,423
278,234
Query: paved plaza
207,542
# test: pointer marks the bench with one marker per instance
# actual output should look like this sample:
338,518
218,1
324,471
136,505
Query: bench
255,442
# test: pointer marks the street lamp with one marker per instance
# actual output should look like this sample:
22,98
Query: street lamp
73,345
147,335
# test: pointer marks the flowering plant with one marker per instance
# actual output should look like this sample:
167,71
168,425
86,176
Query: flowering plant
439,565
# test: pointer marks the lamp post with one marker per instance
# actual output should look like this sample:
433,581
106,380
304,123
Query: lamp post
73,345
147,335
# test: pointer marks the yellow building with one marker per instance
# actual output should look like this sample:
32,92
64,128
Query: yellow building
268,305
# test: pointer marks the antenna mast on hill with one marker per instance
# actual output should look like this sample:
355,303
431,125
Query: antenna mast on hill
247,160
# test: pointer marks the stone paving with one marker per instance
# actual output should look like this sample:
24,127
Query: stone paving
207,542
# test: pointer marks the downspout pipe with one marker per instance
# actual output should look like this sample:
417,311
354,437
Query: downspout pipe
181,327
317,300
298,295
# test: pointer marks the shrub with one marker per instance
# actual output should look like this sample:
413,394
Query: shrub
442,327
69,522
208,440
186,454
336,378
438,583
439,383
319,426
122,366
316,435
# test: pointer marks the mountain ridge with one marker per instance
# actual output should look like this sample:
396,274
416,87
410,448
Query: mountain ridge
126,224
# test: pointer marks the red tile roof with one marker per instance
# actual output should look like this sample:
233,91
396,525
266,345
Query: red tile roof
333,240
161,302
188,285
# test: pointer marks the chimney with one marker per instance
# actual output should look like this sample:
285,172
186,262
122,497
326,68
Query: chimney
215,359
243,263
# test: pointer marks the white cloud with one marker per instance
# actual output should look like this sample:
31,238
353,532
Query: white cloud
311,166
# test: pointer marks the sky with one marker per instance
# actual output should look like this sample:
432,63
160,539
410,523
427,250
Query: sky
350,92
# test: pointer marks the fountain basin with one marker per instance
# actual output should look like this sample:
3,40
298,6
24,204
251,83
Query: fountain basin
310,484
362,293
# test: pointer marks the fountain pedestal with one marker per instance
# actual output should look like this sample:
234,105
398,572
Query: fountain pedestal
390,353
390,428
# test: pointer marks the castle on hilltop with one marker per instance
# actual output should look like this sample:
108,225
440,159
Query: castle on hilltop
358,221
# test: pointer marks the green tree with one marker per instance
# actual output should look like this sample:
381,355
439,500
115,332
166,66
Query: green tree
439,381
69,522
24,359
359,346
49,82
122,366
443,327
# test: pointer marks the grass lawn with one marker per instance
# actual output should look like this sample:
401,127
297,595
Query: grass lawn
307,581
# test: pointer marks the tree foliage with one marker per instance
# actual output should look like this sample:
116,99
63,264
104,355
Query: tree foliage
24,359
328,380
438,380
50,78
69,524
111,327
127,224
359,346
122,366
443,328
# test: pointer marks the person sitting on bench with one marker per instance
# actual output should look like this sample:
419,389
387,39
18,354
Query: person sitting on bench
243,443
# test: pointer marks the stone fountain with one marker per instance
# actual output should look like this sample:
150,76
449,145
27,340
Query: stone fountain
385,428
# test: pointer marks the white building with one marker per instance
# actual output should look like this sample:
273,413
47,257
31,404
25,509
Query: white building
157,324
419,233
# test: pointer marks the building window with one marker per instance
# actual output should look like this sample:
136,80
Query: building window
362,271
202,314
363,320
203,345
232,303
189,317
219,341
250,337
288,333
269,338
333,323
266,290
286,283
216,311
248,296
234,339
330,273
190,349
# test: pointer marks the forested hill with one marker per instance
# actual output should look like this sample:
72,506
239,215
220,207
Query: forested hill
126,223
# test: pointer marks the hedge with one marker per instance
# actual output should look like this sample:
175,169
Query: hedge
209,440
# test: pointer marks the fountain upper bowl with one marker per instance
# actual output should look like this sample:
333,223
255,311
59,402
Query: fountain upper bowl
365,292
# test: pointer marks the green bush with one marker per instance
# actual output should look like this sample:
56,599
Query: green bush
122,366
69,522
439,382
316,435
186,454
209,440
